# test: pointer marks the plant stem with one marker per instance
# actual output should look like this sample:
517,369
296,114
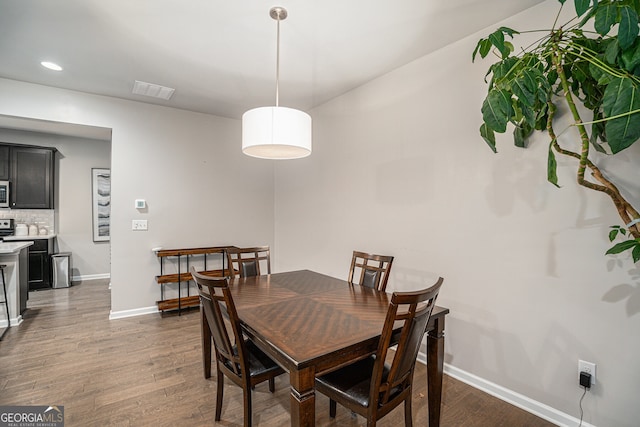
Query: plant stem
625,210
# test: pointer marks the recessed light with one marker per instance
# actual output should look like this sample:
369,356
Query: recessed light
51,65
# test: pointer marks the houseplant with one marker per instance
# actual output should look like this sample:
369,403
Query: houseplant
592,64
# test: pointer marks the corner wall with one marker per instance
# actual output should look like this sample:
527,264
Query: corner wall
199,188
399,168
74,160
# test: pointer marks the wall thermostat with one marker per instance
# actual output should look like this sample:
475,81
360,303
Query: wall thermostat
140,204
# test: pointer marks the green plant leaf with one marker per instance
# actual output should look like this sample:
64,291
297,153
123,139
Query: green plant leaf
606,15
541,118
621,97
523,87
631,57
483,47
615,229
636,253
552,166
581,6
623,246
504,69
520,134
611,52
489,137
509,31
497,39
496,110
628,29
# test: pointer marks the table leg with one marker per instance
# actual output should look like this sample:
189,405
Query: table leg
435,364
303,397
206,344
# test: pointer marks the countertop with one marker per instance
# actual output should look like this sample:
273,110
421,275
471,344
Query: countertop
13,247
26,238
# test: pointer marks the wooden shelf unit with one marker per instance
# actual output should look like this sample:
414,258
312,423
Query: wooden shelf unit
184,276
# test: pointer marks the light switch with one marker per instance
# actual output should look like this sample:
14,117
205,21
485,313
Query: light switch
141,204
139,225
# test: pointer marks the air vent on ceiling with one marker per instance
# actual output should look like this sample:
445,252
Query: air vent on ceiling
153,90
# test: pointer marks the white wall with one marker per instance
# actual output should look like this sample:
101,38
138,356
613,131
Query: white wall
200,189
399,168
74,160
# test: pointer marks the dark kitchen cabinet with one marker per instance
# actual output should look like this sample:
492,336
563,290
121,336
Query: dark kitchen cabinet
31,171
40,264
4,162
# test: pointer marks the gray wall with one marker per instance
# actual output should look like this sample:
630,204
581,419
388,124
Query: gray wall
399,168
199,187
74,160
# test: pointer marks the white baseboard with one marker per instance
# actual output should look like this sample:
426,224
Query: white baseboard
15,321
131,313
523,402
90,277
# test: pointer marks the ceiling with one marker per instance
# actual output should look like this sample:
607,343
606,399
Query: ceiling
220,55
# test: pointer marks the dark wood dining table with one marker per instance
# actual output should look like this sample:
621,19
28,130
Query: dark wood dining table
310,324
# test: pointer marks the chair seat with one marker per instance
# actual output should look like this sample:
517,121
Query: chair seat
260,363
353,382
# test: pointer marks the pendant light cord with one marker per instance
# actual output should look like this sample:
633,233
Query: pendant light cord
278,63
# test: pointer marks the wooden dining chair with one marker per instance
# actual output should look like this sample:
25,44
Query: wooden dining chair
373,387
372,270
238,359
246,261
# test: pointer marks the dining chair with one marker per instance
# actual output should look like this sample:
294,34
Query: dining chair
373,270
239,360
246,261
372,387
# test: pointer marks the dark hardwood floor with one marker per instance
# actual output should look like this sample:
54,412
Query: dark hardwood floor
146,371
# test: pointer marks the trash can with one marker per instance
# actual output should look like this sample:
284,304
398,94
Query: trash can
61,263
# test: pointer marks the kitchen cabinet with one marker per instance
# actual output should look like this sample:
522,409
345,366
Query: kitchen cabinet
39,255
31,172
4,162
39,265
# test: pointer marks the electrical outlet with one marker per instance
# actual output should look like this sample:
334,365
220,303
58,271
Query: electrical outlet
139,224
589,368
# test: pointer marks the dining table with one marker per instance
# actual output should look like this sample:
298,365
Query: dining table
310,324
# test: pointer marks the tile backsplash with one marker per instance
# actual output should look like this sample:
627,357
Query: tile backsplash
40,217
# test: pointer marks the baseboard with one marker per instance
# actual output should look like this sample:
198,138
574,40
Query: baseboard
131,313
15,321
523,402
90,277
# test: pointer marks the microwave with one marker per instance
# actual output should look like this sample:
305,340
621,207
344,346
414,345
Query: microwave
4,194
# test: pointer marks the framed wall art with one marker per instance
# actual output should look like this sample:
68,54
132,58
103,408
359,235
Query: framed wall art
101,199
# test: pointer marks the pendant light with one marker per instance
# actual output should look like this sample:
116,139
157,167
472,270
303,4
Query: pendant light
276,132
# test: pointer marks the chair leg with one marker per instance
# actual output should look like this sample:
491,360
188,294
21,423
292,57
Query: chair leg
205,336
219,392
332,408
272,384
408,419
246,394
6,303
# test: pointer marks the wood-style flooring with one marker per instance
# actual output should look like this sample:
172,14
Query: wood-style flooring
147,371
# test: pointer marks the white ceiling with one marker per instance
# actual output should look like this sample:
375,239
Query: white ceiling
220,55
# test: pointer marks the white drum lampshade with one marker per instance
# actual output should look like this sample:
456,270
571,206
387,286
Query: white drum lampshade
276,133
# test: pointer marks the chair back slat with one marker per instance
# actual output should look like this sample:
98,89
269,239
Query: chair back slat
412,310
247,261
372,270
